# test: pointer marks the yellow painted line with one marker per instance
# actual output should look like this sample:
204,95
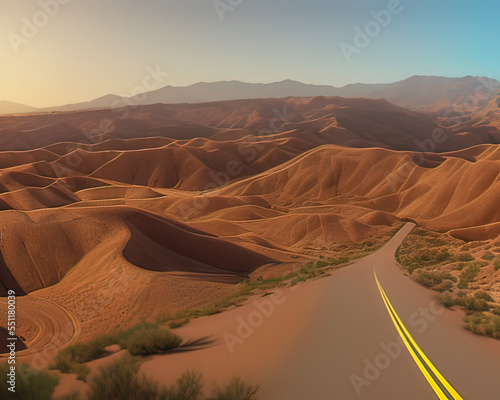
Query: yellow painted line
439,384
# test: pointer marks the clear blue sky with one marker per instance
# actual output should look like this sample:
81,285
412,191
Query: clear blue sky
89,48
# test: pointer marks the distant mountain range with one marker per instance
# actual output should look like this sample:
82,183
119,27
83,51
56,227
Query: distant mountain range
421,93
9,107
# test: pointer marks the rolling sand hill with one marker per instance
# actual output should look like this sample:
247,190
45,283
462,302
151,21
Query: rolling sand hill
334,120
172,205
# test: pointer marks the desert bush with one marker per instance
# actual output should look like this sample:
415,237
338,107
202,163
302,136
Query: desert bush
466,257
30,384
428,279
483,295
236,389
496,310
187,387
496,264
433,279
121,381
488,256
482,324
141,339
71,359
447,300
150,341
470,304
468,274
85,351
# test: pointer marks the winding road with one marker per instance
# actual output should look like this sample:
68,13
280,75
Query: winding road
365,332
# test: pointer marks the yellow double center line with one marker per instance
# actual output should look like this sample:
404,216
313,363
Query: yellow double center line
440,385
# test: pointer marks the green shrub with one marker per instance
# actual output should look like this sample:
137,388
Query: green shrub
187,387
30,384
443,256
483,295
468,274
433,279
139,327
466,257
150,341
482,324
70,359
447,300
85,351
141,339
472,304
235,390
81,371
469,303
428,279
488,256
120,381
496,264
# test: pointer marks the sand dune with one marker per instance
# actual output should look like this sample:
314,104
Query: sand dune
160,245
355,122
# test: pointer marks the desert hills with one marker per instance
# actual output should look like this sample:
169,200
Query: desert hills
145,210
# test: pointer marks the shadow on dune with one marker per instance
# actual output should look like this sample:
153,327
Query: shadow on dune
194,344
159,244
7,280
4,334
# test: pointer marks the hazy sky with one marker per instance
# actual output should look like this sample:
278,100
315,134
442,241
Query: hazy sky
54,52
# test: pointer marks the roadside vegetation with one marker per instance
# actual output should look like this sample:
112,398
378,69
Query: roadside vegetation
30,384
141,339
462,272
121,380
483,315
